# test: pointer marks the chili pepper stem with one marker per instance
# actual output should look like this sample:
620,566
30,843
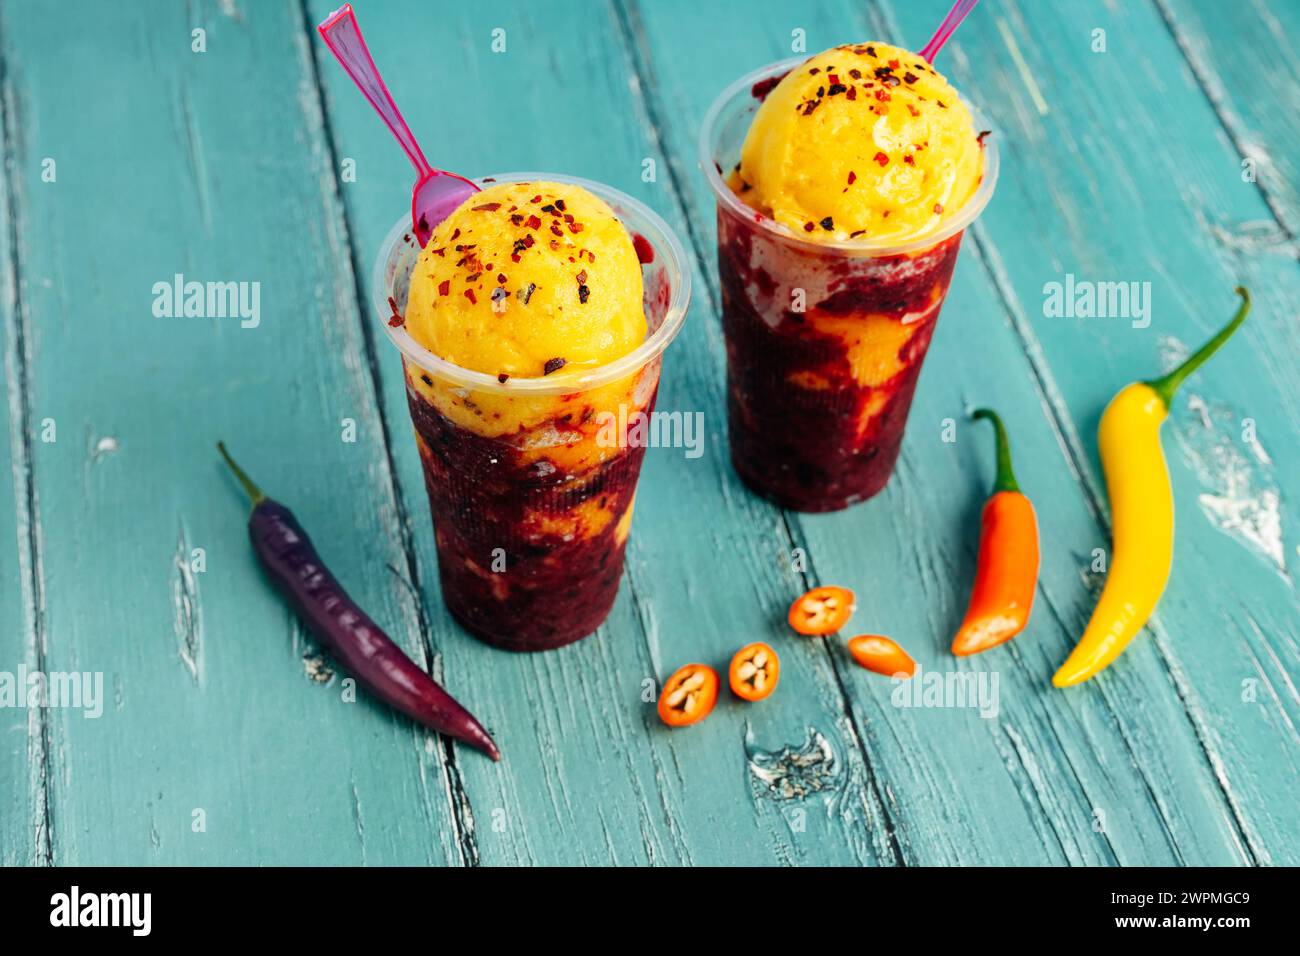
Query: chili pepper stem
1166,385
1006,478
255,493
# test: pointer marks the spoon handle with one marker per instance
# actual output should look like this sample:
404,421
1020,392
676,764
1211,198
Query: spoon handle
343,37
950,23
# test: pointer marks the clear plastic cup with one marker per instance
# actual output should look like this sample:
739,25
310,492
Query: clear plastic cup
817,400
531,523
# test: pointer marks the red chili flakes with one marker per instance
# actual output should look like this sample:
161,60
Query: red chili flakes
559,204
473,277
855,73
582,277
555,228
501,277
910,77
852,94
809,226
882,159
828,224
455,235
871,51
503,378
444,287
853,177
883,95
942,104
980,138
486,207
894,64
396,318
938,209
537,198
836,89
913,110
517,219
576,227
909,160
440,252
553,365
834,78
469,294
534,222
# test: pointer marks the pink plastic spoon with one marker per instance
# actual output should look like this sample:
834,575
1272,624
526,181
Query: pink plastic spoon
950,23
437,192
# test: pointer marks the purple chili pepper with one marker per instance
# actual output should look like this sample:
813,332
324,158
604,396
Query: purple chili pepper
344,630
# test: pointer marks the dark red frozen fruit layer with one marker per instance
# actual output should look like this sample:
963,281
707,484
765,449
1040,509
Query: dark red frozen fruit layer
806,449
487,499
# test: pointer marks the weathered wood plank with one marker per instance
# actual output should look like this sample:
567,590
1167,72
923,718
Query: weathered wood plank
589,774
212,165
1257,100
23,834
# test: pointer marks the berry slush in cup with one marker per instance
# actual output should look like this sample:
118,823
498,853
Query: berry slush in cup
532,328
843,183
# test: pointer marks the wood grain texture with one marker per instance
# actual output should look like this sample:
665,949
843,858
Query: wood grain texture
227,165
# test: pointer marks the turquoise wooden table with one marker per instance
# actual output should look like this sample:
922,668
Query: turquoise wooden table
1149,141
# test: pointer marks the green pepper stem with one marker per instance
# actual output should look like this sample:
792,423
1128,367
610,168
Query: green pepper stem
1006,479
254,493
1166,385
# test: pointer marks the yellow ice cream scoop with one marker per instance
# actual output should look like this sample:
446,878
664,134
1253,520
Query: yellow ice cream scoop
865,141
528,279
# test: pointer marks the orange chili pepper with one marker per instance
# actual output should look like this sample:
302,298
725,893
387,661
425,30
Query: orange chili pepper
1007,570
754,671
882,655
822,610
688,695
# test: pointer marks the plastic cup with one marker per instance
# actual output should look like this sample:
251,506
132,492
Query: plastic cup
531,523
824,340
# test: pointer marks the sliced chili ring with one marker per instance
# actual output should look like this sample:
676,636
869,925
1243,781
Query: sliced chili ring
882,655
688,695
822,610
754,671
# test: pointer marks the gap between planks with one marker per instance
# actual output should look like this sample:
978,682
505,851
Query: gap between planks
319,123
1213,93
26,500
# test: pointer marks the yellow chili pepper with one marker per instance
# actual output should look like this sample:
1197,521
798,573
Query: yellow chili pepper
1142,510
